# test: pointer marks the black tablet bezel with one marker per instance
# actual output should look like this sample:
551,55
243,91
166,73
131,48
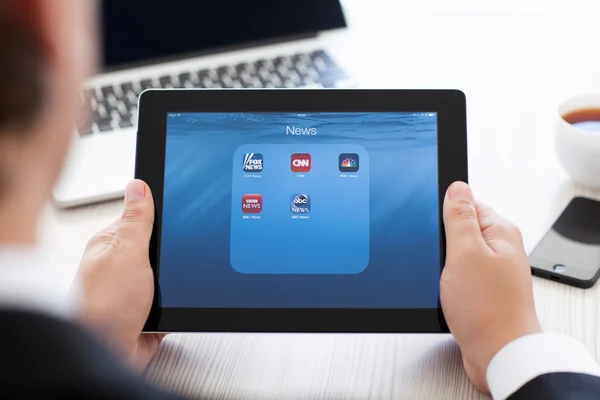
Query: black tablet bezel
154,106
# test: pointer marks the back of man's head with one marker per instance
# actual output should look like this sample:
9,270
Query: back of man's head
44,55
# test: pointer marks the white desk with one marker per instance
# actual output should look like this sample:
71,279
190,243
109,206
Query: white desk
514,70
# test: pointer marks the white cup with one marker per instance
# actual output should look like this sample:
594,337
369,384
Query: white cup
578,150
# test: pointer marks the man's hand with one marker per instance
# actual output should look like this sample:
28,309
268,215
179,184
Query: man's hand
486,289
117,281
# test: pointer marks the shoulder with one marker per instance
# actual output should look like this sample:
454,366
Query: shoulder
50,355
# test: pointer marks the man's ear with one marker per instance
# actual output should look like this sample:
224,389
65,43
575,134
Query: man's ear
29,14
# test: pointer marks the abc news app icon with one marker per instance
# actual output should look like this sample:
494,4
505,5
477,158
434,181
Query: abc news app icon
253,162
300,162
300,204
348,162
251,203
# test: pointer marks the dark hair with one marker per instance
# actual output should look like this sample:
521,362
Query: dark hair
21,70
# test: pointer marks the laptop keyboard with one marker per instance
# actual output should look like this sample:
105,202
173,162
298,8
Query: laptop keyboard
115,107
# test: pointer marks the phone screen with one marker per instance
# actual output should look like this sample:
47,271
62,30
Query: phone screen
572,246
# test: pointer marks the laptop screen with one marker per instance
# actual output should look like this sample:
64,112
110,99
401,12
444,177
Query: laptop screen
137,32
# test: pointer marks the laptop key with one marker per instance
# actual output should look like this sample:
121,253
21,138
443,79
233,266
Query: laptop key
258,64
224,70
105,106
322,61
125,123
132,96
301,58
184,77
127,87
146,84
164,81
301,74
104,124
279,61
207,82
107,90
295,77
264,81
319,54
121,107
244,67
202,74
137,89
283,71
111,99
124,113
130,103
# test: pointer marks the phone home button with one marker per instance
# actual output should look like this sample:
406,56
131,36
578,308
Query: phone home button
559,268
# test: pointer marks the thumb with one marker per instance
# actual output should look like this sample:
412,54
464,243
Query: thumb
460,218
138,214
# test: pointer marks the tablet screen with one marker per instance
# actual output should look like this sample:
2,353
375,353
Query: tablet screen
300,210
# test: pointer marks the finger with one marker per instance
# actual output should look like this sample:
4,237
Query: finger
137,219
160,336
498,231
460,219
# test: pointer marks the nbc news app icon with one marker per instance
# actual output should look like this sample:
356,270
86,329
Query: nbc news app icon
253,162
300,204
348,162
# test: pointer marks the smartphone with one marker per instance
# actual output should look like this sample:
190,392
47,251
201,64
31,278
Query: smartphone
570,251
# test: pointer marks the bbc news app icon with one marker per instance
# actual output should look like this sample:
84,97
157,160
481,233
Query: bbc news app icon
300,204
253,162
251,203
300,162
348,162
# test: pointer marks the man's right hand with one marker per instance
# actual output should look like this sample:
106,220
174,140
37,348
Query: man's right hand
117,281
486,288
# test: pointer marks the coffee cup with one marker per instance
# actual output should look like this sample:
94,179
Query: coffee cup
577,139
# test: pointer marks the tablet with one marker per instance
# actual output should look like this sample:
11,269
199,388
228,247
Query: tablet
299,210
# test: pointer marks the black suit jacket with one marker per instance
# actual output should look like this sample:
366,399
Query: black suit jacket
46,358
560,386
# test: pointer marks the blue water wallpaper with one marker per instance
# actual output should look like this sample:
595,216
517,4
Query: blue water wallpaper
300,210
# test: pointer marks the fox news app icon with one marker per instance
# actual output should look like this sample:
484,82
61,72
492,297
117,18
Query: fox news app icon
348,162
251,203
300,162
300,204
253,162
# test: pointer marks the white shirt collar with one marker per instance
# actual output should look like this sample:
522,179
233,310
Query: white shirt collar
31,280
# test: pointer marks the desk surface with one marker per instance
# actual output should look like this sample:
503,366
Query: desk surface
514,68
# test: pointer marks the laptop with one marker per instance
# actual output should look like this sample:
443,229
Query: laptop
190,44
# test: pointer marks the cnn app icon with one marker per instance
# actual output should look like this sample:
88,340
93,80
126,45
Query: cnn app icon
300,162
